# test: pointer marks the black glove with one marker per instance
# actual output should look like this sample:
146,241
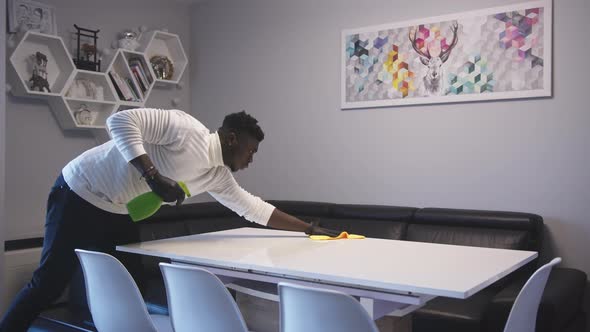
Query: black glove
315,229
168,189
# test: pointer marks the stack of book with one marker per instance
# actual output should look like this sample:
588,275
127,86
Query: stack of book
133,88
141,73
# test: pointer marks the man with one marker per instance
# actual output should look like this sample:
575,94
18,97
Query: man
151,149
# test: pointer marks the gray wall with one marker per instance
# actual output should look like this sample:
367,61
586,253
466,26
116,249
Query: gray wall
36,148
280,60
2,138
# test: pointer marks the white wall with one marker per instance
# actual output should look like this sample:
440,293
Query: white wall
280,60
36,148
2,139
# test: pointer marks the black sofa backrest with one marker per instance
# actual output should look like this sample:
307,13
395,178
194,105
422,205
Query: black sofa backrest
386,222
493,229
172,221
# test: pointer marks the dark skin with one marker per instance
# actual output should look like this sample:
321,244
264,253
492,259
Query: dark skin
238,152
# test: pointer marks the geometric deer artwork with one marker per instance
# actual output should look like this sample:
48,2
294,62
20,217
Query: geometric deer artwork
493,53
433,83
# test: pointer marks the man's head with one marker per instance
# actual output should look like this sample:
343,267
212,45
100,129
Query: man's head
239,135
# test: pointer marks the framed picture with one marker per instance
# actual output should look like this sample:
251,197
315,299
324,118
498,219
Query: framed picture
494,53
25,15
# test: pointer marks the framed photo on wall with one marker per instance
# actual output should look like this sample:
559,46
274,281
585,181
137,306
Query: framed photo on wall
25,15
493,53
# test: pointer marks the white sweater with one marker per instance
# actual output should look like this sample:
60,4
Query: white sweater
180,147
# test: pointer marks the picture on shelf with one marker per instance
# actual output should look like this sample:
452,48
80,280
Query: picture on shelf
27,15
38,79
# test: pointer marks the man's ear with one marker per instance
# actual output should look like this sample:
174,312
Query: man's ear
232,139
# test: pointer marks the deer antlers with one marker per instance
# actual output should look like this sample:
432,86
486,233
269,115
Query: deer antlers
416,48
444,55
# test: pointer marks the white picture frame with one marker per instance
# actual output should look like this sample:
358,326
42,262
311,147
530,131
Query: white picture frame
366,71
28,15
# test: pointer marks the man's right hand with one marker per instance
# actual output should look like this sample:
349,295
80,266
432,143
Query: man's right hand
168,189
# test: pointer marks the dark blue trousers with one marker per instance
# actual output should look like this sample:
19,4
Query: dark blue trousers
71,223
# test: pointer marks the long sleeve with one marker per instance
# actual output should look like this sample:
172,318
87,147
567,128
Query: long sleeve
130,129
229,193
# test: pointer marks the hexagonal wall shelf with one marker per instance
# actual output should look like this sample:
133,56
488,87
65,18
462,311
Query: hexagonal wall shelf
82,99
59,64
168,47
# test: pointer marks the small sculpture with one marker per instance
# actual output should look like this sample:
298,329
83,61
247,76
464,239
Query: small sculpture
163,67
83,115
89,50
39,78
128,41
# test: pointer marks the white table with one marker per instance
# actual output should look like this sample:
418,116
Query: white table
390,277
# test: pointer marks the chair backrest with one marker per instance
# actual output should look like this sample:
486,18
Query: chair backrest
113,297
523,316
197,299
317,310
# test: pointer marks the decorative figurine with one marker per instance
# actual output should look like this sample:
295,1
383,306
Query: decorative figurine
163,67
39,78
88,50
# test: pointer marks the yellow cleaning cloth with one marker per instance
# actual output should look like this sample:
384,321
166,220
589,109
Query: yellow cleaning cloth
343,235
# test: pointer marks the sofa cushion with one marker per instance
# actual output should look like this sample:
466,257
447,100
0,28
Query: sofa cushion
498,229
190,211
370,228
467,236
374,212
214,224
302,208
453,315
385,222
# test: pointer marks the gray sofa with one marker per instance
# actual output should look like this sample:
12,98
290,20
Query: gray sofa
561,307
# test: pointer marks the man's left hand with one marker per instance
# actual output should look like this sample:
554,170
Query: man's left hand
315,229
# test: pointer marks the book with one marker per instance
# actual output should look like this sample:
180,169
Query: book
144,68
116,85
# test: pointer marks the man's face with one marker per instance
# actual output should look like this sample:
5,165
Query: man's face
244,152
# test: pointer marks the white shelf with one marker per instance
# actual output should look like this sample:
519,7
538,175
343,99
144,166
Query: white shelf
160,43
90,86
100,111
72,88
59,65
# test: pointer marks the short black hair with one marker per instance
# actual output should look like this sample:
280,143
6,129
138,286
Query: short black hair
243,123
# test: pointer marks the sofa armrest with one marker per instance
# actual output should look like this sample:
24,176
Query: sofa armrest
561,302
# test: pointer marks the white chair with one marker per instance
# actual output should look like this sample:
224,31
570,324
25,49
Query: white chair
523,315
320,310
113,297
198,300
